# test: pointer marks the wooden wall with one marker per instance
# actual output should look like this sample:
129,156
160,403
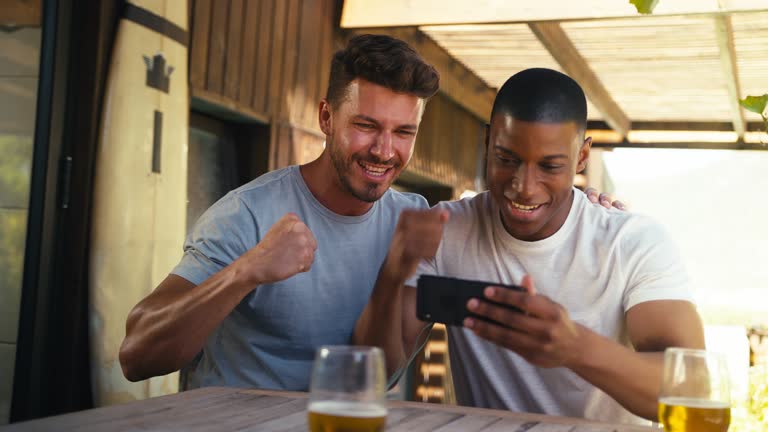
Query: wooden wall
449,144
269,61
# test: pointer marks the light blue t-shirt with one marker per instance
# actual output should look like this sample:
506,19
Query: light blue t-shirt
269,340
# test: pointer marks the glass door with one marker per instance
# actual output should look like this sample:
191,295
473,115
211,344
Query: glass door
20,39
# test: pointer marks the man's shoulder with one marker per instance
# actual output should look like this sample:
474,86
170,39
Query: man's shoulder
243,202
269,183
404,200
613,224
467,210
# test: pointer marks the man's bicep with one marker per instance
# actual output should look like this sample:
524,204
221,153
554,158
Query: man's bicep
659,324
174,285
170,290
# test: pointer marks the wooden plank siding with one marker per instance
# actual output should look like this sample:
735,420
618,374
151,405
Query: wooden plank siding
234,55
267,60
447,145
276,67
265,54
249,50
217,49
200,30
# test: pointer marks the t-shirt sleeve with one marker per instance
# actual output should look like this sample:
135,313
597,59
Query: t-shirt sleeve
222,234
426,267
655,268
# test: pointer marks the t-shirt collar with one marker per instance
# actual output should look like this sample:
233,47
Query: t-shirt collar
325,211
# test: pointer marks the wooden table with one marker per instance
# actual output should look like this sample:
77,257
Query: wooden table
231,409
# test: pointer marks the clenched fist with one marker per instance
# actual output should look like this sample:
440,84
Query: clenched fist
288,248
416,237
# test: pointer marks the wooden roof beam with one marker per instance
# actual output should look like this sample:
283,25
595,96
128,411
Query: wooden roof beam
398,13
565,53
752,126
724,31
685,145
457,81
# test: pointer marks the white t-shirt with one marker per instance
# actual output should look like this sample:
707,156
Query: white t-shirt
598,265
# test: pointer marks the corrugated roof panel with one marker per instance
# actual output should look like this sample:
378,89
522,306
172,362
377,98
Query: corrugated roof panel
657,68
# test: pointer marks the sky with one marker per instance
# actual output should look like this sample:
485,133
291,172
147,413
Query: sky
715,205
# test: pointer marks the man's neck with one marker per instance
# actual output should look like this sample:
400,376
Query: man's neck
324,184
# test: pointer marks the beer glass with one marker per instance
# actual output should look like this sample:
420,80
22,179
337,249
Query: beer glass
695,392
347,390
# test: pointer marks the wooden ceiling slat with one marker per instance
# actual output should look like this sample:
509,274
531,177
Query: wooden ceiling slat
724,32
660,68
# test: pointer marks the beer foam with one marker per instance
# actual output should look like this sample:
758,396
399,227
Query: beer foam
694,403
347,409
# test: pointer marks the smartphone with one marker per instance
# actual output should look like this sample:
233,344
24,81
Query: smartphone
444,299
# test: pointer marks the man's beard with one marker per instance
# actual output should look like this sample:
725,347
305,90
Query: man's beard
370,191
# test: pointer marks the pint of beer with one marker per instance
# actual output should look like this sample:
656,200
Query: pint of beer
695,392
688,414
332,416
347,390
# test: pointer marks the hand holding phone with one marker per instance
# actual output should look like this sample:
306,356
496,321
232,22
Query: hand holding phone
444,299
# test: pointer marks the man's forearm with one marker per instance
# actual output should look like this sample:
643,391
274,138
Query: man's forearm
381,323
417,236
632,378
168,328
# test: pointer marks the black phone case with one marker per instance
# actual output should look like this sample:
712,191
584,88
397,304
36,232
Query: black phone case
444,299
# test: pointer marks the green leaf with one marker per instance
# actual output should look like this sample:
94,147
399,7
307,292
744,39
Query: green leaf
644,6
756,104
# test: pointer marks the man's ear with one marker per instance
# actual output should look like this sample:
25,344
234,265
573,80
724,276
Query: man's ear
584,154
325,117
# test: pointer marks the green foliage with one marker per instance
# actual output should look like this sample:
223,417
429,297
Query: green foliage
644,6
751,415
756,104
13,229
15,168
758,394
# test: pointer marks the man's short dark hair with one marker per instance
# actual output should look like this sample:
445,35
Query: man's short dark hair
382,60
542,95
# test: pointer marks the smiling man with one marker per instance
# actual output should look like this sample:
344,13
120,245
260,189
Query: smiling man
287,262
611,291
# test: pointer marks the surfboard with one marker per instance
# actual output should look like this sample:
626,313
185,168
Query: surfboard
140,193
